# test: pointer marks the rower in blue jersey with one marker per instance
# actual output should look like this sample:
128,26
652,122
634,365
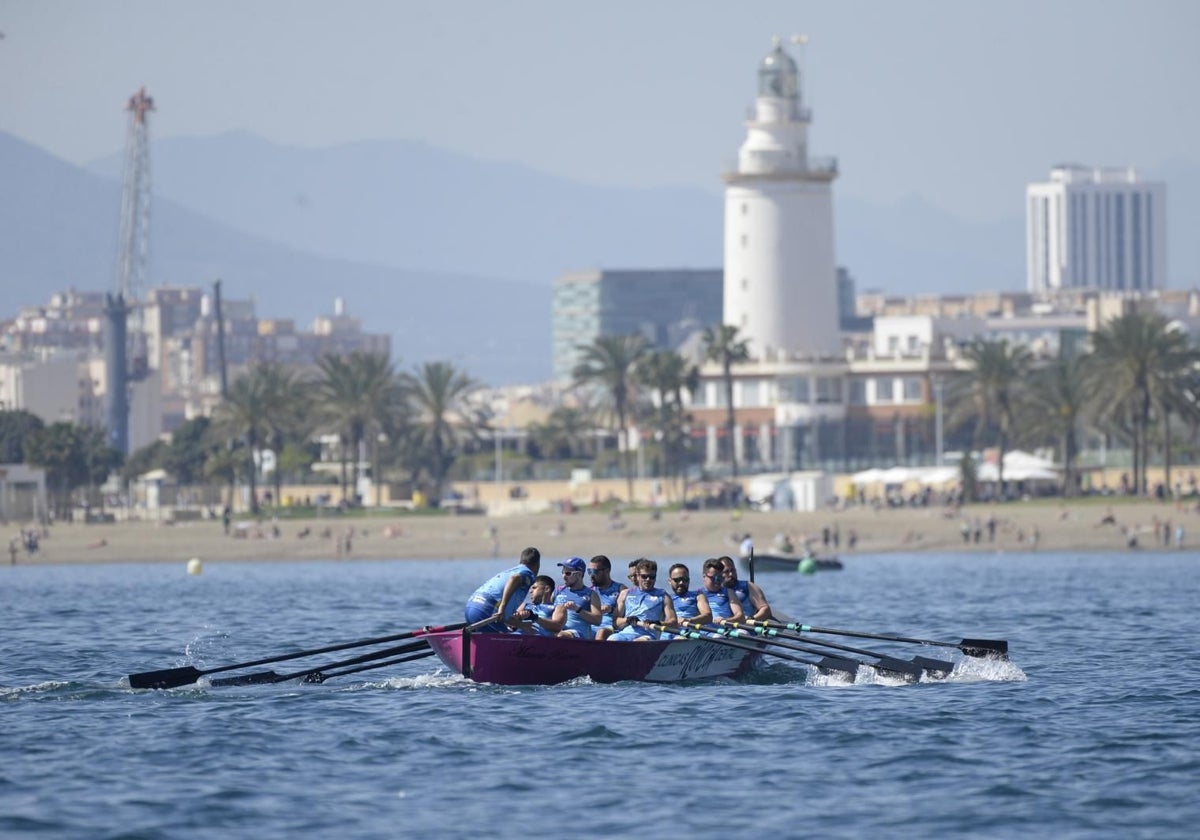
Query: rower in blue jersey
753,601
722,601
600,571
539,616
581,602
502,594
646,603
690,604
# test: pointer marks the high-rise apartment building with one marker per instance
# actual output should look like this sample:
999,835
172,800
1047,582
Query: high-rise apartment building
1097,229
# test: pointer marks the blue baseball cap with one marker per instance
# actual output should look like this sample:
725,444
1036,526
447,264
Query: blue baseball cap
575,564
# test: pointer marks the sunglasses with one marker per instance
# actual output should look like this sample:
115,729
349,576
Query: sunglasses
680,580
717,576
594,572
648,577
572,572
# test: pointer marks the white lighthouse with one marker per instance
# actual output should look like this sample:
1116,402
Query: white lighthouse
780,275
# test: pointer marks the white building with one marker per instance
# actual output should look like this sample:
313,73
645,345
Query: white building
780,275
1096,228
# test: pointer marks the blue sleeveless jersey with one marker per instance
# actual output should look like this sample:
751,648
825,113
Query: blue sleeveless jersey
582,597
489,594
742,588
686,605
645,605
542,611
608,598
718,602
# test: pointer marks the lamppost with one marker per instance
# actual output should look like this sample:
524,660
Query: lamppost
937,395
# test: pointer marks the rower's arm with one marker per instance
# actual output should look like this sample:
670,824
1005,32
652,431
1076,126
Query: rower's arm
735,608
592,614
762,610
671,619
619,621
705,615
510,589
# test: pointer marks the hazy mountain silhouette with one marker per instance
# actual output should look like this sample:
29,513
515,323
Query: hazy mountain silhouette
58,229
451,255
406,204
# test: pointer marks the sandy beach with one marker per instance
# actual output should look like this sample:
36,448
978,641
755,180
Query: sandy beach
1050,525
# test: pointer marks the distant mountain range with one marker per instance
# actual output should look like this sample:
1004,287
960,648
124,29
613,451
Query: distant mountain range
453,256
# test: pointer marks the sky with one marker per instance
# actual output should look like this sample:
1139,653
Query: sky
958,103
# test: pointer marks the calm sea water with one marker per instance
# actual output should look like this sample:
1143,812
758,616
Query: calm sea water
1092,730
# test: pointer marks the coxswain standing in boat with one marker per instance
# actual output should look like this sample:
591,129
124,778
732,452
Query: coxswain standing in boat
722,601
646,603
600,570
580,601
503,593
690,604
750,595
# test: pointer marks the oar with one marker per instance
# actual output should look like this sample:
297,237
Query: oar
996,648
267,677
186,675
321,677
936,667
887,665
826,664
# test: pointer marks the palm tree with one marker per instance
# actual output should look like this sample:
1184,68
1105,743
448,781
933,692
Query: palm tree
723,345
561,434
990,388
355,394
287,417
438,393
1054,406
669,374
241,417
609,362
1141,367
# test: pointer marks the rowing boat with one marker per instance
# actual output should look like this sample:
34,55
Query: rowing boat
519,659
787,563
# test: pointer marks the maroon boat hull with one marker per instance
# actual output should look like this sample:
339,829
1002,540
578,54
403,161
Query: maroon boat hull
516,659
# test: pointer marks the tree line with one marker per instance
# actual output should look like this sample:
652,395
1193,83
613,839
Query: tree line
1137,384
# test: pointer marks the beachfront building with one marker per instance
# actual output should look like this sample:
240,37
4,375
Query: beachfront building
666,307
1096,228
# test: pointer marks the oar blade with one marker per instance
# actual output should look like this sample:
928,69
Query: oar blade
836,663
166,678
984,648
936,668
897,669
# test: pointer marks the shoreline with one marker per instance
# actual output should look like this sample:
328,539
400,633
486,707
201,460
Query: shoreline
1044,525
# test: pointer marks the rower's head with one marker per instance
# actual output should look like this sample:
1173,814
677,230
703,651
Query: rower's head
542,590
600,570
729,569
572,572
531,558
680,577
714,575
633,581
647,574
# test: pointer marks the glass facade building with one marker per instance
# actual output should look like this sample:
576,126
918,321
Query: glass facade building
666,306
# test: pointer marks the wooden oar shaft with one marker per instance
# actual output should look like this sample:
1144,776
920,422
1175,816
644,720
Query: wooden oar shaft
174,677
411,657
971,647
758,628
835,663
886,664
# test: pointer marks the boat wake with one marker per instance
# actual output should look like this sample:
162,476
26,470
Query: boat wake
969,669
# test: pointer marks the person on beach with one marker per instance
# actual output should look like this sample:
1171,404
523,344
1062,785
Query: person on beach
646,603
750,595
600,571
580,601
502,593
690,604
